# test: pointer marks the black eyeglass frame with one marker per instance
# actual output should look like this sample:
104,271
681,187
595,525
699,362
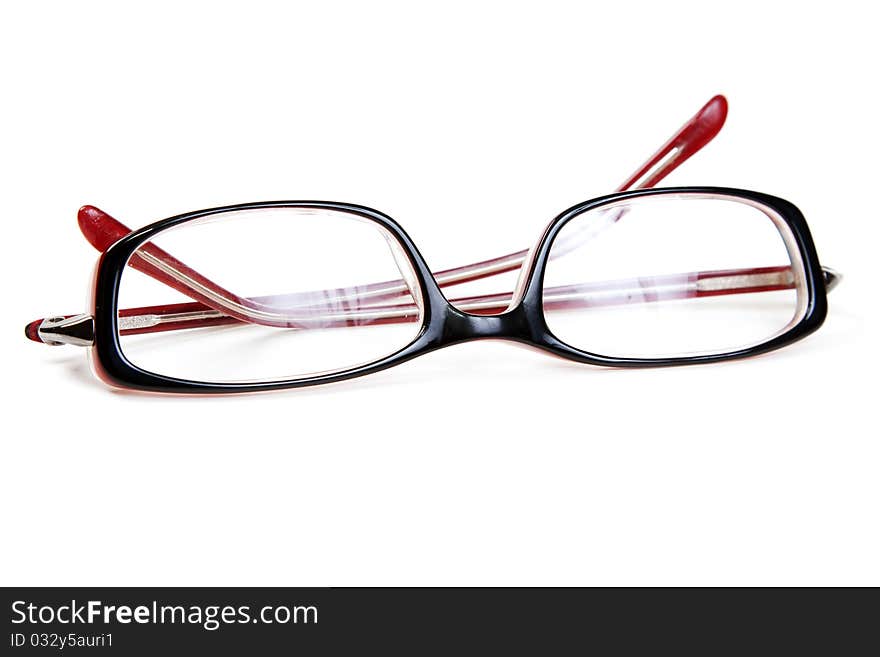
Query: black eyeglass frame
442,323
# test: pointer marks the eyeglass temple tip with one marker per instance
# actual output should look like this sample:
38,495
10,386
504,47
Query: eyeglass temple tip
706,123
688,140
99,228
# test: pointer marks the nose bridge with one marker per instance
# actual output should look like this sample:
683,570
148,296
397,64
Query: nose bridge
461,326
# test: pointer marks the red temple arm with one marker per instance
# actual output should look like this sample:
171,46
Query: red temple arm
160,318
102,230
646,289
689,139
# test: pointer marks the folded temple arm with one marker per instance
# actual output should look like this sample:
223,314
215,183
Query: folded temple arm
356,311
353,310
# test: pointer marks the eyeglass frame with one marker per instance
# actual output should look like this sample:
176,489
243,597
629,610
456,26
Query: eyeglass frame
443,324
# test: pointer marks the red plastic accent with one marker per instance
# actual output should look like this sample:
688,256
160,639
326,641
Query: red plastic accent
692,136
31,330
99,228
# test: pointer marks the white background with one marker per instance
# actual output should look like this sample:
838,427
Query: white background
472,124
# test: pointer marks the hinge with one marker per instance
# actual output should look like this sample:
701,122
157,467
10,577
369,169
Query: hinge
78,330
832,278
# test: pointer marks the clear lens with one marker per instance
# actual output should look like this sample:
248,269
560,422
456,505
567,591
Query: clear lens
673,275
267,294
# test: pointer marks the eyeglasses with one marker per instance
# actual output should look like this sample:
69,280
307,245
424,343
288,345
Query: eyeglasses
260,296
